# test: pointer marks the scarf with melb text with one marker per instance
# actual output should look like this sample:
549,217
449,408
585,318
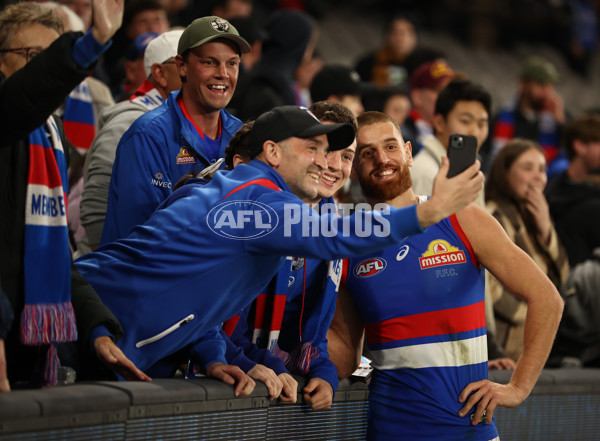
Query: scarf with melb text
48,317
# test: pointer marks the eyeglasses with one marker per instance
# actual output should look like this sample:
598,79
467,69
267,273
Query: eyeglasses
27,52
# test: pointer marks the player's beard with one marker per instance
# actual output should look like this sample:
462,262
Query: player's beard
388,190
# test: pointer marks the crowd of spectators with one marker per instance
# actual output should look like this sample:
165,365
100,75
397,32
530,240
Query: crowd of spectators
109,106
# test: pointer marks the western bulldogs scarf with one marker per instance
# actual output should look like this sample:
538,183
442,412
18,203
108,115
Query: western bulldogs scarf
48,316
78,118
266,315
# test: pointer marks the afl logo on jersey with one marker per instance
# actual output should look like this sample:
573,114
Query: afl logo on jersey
370,267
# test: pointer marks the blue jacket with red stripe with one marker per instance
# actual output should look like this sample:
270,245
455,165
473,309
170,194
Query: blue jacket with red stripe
158,149
207,253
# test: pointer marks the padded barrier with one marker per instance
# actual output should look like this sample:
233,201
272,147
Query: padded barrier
565,405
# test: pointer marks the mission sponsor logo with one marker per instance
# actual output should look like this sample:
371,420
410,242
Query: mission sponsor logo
439,252
184,157
370,267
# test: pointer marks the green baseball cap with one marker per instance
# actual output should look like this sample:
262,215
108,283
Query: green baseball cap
206,29
539,70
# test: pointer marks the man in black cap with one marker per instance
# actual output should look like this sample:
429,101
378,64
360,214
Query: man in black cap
211,248
188,132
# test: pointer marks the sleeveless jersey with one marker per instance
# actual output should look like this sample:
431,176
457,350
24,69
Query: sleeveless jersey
422,304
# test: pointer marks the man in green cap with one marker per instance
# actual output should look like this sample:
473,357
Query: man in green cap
536,113
187,133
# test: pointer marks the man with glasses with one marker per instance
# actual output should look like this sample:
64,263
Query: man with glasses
51,302
161,79
187,133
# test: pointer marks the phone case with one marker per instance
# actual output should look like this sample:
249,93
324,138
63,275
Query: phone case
462,151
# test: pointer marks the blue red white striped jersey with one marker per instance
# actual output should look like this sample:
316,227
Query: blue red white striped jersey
422,304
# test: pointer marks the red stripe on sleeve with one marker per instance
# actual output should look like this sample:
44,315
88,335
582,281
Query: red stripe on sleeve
264,182
464,239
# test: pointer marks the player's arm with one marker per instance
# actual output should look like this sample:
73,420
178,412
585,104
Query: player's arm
346,335
519,273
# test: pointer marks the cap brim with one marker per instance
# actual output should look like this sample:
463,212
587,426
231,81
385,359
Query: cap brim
339,136
239,41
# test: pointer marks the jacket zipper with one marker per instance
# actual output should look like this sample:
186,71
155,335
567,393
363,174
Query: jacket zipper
166,332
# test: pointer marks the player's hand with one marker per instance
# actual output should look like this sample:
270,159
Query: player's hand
107,17
269,377
502,364
232,375
450,195
318,393
110,354
486,396
4,384
289,393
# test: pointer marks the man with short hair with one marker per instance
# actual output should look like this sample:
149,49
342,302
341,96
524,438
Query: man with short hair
537,113
139,17
161,79
188,132
574,196
462,107
210,248
421,303
285,328
135,73
51,302
387,65
426,83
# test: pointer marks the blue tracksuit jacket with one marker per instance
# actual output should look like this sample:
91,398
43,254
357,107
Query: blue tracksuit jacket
159,148
207,252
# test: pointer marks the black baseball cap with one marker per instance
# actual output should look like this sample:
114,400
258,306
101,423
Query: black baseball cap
296,121
337,80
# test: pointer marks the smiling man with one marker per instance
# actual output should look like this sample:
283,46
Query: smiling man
292,315
188,132
420,303
462,107
210,249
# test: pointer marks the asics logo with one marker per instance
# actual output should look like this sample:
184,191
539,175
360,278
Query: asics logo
402,253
